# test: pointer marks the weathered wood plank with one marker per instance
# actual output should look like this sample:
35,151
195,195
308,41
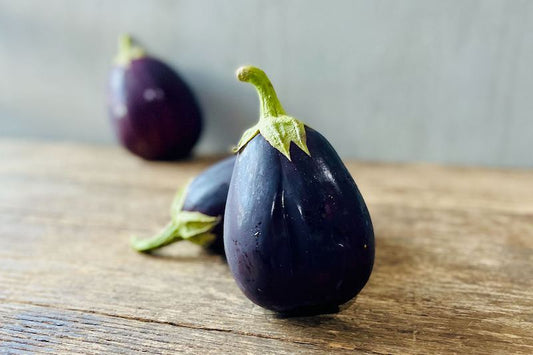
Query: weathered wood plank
442,292
45,329
49,168
453,265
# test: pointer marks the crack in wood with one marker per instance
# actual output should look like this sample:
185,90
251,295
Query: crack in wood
179,324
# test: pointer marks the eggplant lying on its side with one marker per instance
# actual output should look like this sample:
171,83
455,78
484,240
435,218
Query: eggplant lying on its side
197,212
297,232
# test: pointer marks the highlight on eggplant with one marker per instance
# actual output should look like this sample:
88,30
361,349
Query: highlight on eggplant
197,212
297,232
152,110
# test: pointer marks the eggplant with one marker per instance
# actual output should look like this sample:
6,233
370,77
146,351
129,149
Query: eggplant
197,212
297,233
153,111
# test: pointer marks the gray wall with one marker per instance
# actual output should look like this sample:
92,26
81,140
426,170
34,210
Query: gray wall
443,81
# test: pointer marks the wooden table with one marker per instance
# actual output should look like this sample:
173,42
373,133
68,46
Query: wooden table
453,270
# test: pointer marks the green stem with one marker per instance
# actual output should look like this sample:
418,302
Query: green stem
193,226
167,236
124,43
269,102
127,51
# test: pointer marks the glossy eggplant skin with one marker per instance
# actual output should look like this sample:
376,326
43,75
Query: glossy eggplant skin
154,113
297,234
208,191
207,194
197,212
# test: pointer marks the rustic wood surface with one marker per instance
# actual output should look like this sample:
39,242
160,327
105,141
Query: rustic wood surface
453,270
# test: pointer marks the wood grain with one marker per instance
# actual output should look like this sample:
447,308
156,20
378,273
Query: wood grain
452,274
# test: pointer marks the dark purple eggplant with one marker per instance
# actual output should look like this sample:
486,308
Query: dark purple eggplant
197,212
153,111
297,232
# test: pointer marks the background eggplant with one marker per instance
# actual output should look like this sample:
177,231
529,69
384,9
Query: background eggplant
153,111
297,233
197,212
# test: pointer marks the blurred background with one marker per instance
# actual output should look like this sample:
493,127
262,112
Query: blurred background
437,81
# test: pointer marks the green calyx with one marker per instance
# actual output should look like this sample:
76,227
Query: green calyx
127,51
274,124
185,225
